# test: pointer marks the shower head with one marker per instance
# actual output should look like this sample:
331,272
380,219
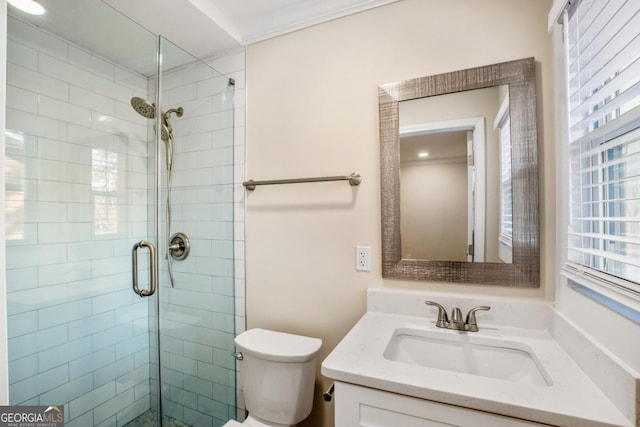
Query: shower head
148,110
165,134
143,107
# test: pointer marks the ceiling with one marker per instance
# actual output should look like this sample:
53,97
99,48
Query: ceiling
441,146
207,27
203,28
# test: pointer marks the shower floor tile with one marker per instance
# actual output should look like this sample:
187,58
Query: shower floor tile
151,418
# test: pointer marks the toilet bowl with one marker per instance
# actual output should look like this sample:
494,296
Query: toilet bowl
277,372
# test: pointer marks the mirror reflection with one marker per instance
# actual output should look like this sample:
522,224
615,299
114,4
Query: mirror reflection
455,174
479,200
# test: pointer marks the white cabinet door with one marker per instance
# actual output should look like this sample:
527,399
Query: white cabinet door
366,407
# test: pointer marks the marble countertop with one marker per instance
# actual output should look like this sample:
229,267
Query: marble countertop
571,400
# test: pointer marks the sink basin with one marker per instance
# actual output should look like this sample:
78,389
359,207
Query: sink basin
467,354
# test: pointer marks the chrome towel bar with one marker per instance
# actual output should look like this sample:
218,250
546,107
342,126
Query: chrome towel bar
354,179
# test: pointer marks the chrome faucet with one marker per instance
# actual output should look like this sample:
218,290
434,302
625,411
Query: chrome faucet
470,324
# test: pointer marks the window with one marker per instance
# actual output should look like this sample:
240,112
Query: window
14,190
502,123
603,64
506,203
104,183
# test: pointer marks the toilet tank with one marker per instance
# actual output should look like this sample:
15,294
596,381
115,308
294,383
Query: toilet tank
277,372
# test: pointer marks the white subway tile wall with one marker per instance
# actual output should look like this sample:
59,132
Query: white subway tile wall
79,194
197,319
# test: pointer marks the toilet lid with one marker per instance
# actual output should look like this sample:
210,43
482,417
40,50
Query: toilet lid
277,346
233,423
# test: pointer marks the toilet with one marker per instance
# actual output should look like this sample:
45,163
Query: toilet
277,371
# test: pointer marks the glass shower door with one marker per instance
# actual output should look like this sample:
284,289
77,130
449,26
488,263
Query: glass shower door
196,291
89,186
77,196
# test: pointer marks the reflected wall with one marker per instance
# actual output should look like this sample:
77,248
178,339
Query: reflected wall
482,104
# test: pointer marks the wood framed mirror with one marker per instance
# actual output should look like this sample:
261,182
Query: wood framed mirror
522,269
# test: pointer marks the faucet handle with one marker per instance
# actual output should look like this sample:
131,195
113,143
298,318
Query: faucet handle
471,322
443,320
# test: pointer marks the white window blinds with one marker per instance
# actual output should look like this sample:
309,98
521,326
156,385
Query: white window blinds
603,54
506,200
604,62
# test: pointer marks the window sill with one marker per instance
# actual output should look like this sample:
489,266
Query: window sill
608,291
505,249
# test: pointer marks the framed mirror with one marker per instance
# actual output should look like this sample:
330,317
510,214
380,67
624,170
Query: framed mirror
470,213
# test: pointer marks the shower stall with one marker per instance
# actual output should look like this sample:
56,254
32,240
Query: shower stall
119,222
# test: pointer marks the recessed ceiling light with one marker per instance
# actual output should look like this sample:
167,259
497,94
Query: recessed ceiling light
29,6
423,154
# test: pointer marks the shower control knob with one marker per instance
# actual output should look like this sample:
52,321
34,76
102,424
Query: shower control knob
179,246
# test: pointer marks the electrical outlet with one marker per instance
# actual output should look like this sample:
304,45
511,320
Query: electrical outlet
363,258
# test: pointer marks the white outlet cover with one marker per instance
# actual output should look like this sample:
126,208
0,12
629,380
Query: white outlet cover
363,258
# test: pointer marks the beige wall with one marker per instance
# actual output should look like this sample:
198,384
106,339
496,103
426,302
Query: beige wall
433,200
312,110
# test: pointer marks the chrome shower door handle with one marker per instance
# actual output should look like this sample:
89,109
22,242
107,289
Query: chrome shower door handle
152,268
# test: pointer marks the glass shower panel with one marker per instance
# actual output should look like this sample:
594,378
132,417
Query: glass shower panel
197,321
77,195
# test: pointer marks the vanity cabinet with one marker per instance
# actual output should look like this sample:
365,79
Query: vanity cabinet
362,406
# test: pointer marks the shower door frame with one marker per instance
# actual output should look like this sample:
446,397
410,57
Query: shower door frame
4,338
